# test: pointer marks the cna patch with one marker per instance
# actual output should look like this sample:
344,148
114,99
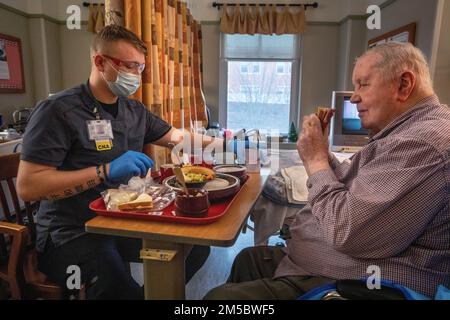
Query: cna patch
103,145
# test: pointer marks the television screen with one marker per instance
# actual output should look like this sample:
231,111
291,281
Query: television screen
351,124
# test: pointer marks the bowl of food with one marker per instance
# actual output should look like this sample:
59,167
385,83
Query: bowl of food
193,204
236,170
221,187
196,176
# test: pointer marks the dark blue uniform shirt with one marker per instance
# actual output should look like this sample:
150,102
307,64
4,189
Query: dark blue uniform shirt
57,136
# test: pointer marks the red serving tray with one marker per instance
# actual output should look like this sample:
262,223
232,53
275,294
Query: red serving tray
215,212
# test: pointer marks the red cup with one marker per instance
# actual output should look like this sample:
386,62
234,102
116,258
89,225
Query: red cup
166,171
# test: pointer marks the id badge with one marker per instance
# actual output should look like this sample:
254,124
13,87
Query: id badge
100,130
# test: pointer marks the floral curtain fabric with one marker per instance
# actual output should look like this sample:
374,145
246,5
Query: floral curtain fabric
96,20
172,80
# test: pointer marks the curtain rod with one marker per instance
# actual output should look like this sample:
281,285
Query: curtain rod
306,5
87,4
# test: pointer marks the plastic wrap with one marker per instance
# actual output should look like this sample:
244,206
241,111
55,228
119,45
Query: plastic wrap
162,196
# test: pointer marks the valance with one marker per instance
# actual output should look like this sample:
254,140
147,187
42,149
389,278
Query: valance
244,19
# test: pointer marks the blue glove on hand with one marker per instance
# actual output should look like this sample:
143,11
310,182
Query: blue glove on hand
128,165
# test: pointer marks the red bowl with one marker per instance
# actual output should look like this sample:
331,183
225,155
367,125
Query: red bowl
195,204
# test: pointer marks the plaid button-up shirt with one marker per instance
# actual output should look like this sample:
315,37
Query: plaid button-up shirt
388,206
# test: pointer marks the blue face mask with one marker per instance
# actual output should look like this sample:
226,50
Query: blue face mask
125,85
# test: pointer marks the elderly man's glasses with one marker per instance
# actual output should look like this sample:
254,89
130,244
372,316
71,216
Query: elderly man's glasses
128,65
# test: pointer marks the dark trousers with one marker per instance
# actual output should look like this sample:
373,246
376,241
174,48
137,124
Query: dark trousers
103,261
251,278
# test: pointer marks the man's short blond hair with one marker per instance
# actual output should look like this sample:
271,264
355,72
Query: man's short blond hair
398,57
114,33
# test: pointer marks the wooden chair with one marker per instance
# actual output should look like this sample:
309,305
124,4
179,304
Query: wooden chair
18,258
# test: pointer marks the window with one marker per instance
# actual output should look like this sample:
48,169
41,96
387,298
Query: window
249,68
284,68
283,94
244,68
256,68
280,68
258,88
249,92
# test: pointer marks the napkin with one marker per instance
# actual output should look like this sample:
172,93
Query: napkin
295,178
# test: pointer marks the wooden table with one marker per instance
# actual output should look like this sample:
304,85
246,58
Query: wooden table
166,245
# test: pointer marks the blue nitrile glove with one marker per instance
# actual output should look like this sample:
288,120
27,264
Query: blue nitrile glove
129,164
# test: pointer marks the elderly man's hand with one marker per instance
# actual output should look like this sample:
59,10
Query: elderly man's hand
312,145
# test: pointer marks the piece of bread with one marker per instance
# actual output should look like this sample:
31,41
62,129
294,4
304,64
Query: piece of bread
324,115
321,112
143,203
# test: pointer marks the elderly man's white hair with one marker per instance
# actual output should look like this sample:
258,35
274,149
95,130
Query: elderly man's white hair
397,57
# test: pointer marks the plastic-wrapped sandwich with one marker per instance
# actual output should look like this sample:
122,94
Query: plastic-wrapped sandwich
126,200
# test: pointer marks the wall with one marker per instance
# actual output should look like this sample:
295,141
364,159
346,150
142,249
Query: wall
75,55
352,35
53,48
16,25
54,57
402,12
211,48
46,48
75,45
41,81
432,35
442,66
319,67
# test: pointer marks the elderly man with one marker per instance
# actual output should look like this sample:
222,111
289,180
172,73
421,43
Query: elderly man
386,207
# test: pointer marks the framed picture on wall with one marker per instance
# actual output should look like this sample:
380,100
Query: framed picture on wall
11,65
404,34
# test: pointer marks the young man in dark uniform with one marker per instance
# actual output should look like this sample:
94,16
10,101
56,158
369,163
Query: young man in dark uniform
77,144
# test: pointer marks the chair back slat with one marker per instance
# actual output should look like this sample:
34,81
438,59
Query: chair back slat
9,166
15,200
5,206
29,209
3,250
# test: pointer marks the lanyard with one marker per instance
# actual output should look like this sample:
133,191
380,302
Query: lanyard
96,113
